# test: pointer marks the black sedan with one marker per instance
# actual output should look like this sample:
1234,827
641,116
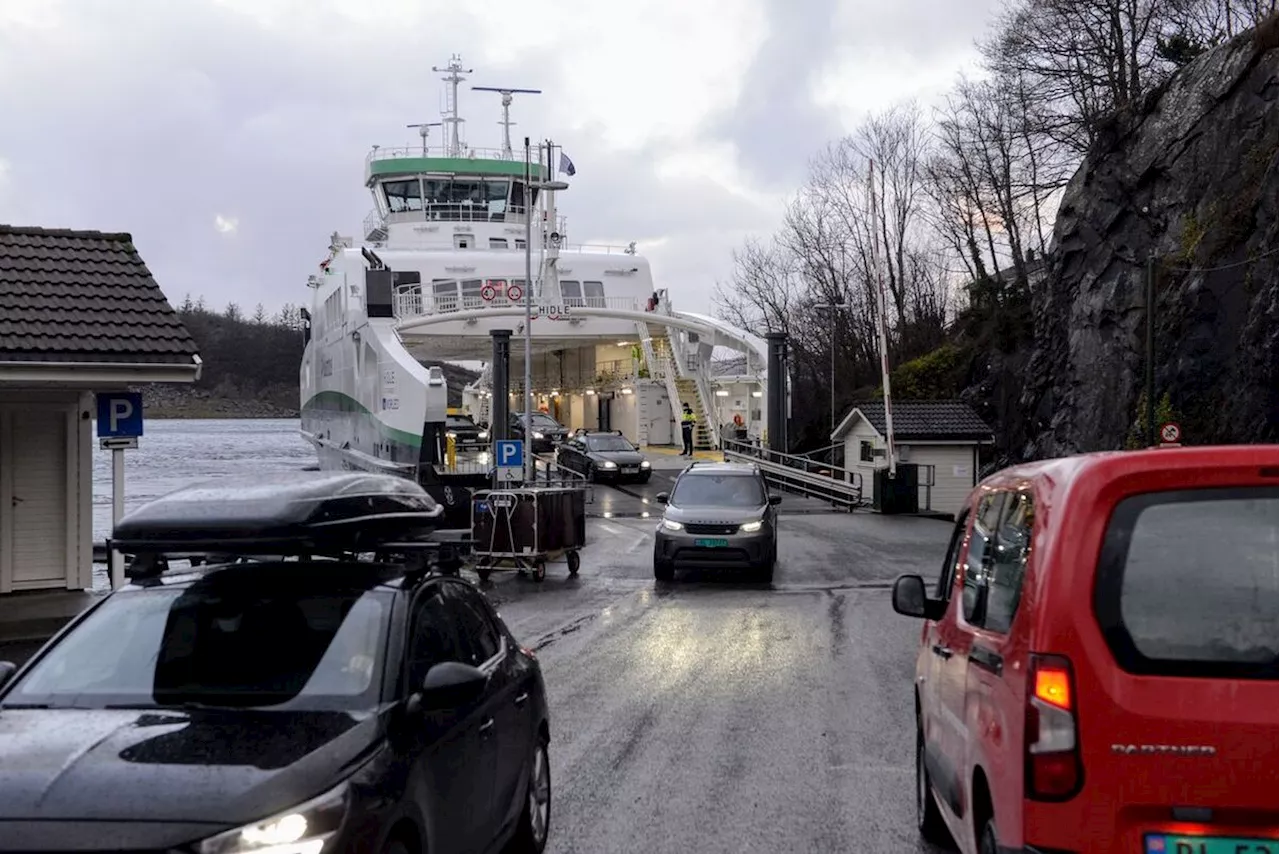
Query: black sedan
604,457
295,707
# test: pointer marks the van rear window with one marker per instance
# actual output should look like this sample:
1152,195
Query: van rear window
1187,583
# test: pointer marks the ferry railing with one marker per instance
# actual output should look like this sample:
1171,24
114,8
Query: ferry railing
406,152
409,301
795,473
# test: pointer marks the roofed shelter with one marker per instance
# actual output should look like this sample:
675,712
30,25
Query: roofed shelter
79,313
941,437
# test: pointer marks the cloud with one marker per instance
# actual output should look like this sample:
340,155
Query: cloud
688,122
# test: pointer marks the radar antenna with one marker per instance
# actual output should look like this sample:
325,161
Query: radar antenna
506,113
453,78
424,128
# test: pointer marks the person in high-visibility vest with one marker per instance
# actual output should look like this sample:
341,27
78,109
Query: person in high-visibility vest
687,421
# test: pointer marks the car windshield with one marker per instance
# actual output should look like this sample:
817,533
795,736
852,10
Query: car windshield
214,643
608,443
460,421
718,490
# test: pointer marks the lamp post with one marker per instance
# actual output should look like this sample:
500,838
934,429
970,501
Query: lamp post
529,187
832,307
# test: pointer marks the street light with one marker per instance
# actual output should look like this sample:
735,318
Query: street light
832,306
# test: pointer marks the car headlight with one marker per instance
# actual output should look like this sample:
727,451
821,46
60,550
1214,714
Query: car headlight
539,436
644,465
752,527
302,830
672,526
608,464
484,434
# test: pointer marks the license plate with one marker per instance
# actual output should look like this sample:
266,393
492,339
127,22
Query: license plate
630,469
711,544
1167,843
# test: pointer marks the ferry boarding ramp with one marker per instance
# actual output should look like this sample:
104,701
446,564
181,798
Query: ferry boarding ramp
640,500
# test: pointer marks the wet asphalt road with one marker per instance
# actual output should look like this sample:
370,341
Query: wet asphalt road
714,714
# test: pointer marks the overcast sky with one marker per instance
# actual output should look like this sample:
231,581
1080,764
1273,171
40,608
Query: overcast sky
228,136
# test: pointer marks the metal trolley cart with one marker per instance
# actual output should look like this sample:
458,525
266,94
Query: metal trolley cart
525,528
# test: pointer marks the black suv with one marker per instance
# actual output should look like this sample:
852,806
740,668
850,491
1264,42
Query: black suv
717,514
547,432
294,700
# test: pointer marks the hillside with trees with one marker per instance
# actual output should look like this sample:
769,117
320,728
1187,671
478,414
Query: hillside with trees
1014,225
250,366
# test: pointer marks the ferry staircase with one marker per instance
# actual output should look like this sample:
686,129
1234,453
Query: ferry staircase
661,361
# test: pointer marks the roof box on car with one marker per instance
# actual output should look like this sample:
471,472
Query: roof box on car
283,514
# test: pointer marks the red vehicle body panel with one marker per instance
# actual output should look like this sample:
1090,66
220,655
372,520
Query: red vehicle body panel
1147,743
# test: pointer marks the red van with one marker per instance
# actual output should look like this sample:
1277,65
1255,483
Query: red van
1098,665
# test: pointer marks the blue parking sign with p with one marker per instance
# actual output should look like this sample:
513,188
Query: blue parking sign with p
509,453
119,414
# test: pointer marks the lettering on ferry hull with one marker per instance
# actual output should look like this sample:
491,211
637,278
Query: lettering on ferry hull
551,312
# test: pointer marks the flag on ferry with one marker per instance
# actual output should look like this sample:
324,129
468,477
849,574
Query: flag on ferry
566,165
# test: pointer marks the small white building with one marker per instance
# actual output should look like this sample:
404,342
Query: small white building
79,314
940,437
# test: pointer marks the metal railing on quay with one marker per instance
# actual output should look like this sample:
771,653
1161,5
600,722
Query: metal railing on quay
795,473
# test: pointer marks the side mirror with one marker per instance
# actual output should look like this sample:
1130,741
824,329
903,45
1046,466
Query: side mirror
662,498
7,669
452,684
775,500
910,599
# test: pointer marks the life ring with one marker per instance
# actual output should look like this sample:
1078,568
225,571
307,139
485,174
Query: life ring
488,292
514,293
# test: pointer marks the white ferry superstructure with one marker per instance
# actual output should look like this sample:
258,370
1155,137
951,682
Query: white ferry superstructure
442,264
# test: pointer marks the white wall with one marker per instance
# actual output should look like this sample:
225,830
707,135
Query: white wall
625,416
862,431
953,474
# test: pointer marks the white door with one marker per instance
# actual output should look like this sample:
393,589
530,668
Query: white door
39,493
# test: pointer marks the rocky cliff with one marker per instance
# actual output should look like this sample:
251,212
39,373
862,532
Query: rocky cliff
1189,186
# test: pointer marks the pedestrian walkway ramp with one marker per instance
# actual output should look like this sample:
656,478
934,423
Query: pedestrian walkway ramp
821,481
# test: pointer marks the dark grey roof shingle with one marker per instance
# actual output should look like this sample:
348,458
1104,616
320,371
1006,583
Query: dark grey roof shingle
83,296
927,419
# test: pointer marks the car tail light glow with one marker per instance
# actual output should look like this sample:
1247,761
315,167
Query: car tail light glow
1053,767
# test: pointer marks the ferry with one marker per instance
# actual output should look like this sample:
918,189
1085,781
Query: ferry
456,238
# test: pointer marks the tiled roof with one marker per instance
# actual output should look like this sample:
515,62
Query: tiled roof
83,296
924,420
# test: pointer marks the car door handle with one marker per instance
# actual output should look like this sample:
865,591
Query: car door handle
520,701
942,651
987,659
486,727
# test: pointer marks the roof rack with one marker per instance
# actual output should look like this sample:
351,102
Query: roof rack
302,513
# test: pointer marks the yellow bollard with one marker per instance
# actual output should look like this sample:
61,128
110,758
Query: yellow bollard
451,452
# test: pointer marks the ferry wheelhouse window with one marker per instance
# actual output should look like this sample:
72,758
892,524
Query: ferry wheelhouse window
497,243
403,195
594,293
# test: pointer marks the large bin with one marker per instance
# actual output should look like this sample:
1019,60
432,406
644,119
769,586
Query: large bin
527,526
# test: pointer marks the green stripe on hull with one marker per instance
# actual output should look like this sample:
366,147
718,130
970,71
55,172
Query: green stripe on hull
336,401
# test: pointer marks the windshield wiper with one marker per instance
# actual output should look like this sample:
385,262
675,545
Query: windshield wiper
188,706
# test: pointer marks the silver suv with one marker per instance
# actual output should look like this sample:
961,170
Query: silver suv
717,514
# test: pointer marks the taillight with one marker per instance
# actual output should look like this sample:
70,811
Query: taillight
1054,771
